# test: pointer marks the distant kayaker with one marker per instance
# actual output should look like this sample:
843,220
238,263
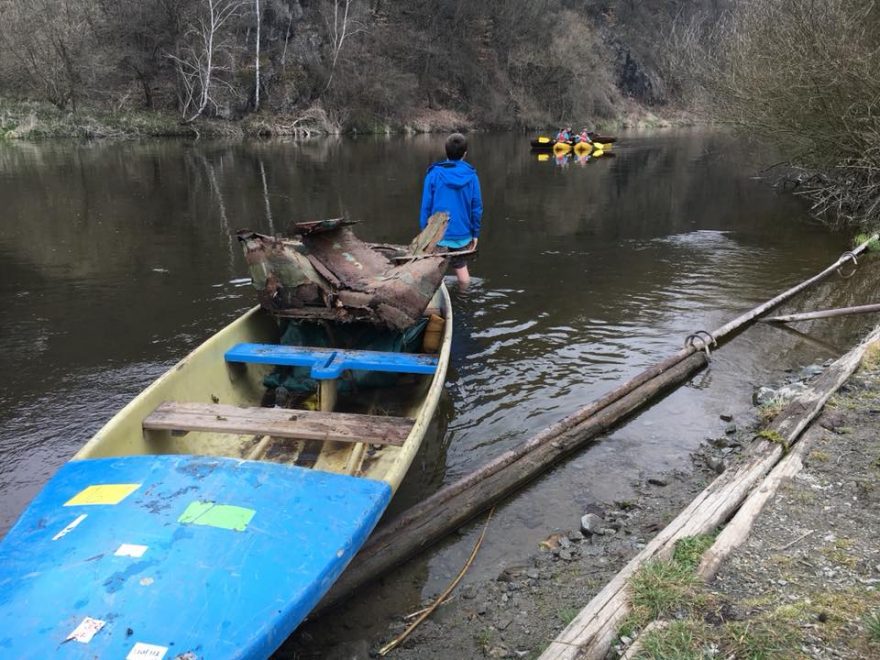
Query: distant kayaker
564,135
453,186
584,136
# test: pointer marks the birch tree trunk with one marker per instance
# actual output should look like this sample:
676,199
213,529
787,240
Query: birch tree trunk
257,59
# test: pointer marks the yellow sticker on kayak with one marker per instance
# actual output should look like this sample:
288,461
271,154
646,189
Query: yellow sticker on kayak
102,494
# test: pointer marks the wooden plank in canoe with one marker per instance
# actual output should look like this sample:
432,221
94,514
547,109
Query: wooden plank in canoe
279,423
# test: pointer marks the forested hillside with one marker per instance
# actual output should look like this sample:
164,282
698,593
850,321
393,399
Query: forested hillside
352,64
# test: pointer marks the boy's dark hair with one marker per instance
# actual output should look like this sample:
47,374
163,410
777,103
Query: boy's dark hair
456,145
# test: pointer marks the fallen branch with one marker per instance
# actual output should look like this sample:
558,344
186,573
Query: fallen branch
442,597
791,543
824,314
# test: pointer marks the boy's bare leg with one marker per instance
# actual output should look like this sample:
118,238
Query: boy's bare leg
464,277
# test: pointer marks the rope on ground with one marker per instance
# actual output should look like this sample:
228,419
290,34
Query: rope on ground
390,646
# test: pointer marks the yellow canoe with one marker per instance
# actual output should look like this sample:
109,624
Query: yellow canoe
197,505
205,377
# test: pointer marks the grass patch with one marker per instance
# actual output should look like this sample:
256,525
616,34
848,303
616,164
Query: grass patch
677,640
873,246
872,625
774,437
567,614
759,640
661,587
837,553
693,640
689,551
767,411
817,456
871,358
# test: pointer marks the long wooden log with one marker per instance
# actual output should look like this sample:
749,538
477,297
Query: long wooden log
592,631
737,529
399,540
782,297
431,519
823,314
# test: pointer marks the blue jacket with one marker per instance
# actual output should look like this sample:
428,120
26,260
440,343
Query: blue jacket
453,186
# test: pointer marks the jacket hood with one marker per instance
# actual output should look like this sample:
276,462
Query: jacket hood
453,173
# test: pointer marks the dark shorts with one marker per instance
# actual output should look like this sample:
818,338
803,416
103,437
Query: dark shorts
458,261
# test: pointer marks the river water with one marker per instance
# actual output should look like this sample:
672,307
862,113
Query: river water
118,258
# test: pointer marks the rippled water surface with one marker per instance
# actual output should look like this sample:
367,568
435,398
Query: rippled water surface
116,259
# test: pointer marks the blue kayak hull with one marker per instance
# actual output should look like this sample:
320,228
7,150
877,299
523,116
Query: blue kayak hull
177,557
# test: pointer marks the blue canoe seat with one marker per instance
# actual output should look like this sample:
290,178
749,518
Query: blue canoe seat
329,363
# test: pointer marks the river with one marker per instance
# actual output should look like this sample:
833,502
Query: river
117,258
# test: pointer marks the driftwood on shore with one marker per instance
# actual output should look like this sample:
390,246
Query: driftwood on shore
591,633
737,528
454,505
824,314
427,522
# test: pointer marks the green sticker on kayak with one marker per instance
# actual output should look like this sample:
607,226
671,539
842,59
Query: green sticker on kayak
224,516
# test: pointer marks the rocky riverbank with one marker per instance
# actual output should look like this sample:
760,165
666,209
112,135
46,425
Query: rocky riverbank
26,120
805,583
803,586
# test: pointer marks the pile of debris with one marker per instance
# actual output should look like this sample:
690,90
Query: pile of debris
326,272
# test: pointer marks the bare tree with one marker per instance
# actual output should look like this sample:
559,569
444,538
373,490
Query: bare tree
51,43
257,58
198,61
342,26
806,75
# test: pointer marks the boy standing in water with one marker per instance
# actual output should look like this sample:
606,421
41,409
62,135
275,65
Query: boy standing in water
452,186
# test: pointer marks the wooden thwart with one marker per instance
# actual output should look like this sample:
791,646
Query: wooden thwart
279,423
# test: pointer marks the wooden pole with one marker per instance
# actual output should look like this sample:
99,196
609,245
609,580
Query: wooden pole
782,297
823,314
737,529
590,634
449,508
425,523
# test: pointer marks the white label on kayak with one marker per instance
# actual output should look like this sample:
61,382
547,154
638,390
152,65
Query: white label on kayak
140,651
86,630
69,528
130,550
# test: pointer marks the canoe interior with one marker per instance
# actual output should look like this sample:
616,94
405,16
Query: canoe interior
205,377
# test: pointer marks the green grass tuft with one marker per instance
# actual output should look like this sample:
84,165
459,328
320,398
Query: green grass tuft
689,551
873,246
872,623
